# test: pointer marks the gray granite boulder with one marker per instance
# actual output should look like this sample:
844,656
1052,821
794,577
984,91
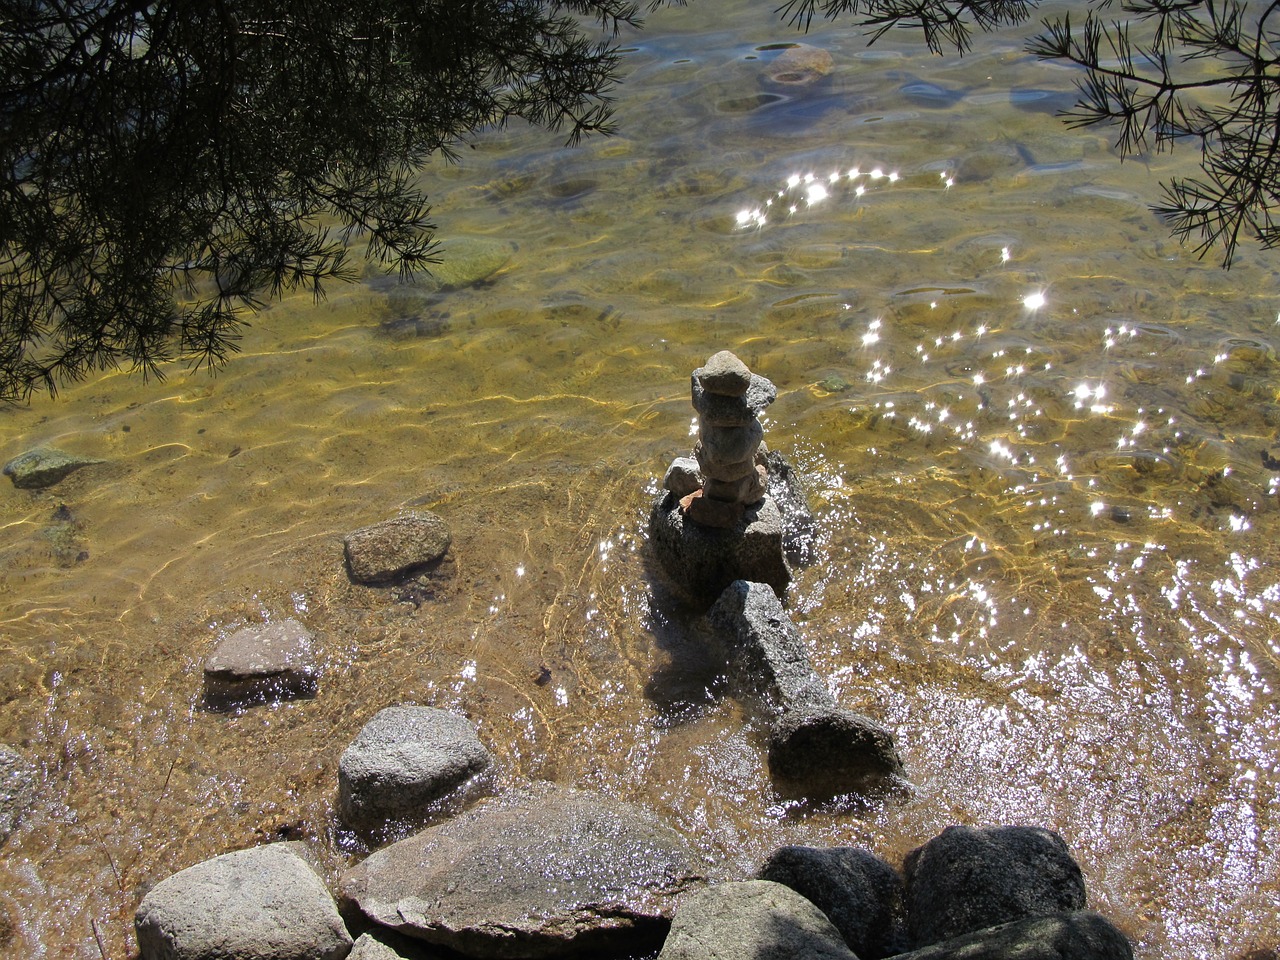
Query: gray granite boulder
17,789
817,749
264,663
752,920
1064,936
701,561
264,903
543,872
383,944
394,548
860,893
406,765
971,878
44,467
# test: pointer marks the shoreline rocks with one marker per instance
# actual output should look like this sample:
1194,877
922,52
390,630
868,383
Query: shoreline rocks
43,467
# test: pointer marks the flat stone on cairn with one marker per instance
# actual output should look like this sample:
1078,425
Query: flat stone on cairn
715,522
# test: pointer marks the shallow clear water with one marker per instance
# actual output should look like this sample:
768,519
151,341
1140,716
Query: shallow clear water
1048,551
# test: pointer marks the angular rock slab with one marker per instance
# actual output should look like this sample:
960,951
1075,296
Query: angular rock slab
267,663
43,467
1079,935
830,753
545,872
860,893
392,549
701,561
971,878
264,903
403,762
752,920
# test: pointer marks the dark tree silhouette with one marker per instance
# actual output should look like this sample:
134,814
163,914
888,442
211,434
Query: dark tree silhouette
164,164
1204,71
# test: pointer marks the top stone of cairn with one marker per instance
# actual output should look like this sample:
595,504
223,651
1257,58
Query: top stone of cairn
724,374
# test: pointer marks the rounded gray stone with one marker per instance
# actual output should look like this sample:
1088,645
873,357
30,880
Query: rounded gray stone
828,753
725,445
264,903
1079,935
725,374
754,919
547,871
404,763
968,878
394,548
682,477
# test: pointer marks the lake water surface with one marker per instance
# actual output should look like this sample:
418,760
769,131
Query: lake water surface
1048,529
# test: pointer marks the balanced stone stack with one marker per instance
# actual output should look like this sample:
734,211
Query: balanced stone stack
716,521
728,399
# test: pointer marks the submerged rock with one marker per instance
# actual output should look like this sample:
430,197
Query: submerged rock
800,65
394,548
971,878
1066,936
264,903
17,789
753,919
548,871
266,663
43,467
405,763
464,261
860,893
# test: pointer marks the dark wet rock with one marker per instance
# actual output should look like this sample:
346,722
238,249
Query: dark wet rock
829,753
859,893
723,374
395,548
767,660
682,477
265,663
1064,936
18,780
547,871
264,903
753,919
407,765
703,561
43,467
65,535
970,878
817,749
799,529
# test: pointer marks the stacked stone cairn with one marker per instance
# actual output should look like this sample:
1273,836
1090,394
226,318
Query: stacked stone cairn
716,521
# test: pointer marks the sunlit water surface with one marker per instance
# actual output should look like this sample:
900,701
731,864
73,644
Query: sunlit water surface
1048,545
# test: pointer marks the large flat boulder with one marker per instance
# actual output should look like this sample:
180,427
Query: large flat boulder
548,871
970,878
43,467
753,920
264,903
405,764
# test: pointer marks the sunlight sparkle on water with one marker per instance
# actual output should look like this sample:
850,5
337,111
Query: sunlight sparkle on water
801,191
1034,301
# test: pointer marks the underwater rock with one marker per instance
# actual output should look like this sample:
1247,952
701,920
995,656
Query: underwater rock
406,762
464,261
752,918
547,871
267,663
43,467
17,789
860,893
800,65
392,549
1066,936
971,878
264,903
